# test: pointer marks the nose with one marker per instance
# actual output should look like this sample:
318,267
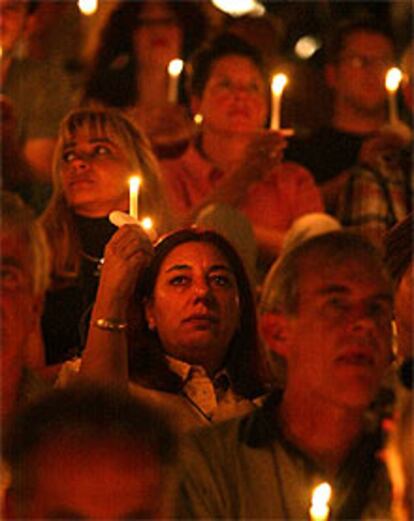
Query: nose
79,163
362,321
202,290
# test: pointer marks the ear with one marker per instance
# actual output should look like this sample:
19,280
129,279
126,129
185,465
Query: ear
149,314
274,330
195,105
330,75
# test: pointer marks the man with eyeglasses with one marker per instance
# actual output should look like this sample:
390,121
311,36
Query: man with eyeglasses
358,57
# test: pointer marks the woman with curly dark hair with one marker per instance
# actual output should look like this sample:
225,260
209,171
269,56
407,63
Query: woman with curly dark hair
130,66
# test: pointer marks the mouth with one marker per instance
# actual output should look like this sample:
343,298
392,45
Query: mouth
201,320
80,180
357,359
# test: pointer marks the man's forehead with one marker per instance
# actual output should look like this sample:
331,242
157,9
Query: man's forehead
318,272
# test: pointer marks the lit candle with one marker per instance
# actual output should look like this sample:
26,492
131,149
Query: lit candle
174,70
279,82
319,510
148,226
392,82
88,7
134,184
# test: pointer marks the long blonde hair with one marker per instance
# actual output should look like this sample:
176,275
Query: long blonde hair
58,218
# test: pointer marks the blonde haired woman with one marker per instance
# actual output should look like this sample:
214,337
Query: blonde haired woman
96,153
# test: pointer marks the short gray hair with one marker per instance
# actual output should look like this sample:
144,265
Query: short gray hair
281,288
18,217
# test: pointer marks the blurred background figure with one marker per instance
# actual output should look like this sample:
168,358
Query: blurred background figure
358,54
179,326
97,152
234,159
378,193
89,453
40,103
129,69
24,280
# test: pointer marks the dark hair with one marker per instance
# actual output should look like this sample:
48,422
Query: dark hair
336,39
84,411
245,360
399,248
112,77
224,45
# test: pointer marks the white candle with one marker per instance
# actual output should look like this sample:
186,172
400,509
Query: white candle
279,82
174,70
88,7
134,184
319,510
392,82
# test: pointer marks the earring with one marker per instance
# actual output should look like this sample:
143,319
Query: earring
198,118
151,325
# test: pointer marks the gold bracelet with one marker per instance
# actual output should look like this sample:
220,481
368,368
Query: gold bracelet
110,324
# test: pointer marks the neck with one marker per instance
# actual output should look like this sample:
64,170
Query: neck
224,149
94,233
351,119
323,431
152,85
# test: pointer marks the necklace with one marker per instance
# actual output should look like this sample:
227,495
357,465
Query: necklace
98,261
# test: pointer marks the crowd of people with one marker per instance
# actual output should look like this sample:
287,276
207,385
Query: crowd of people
255,339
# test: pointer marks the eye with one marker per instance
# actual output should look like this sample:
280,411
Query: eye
338,303
68,156
179,280
380,309
101,150
224,83
221,280
11,277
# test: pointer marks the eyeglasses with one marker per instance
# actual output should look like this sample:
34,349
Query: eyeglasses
357,61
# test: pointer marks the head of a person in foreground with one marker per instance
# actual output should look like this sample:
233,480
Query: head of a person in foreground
88,453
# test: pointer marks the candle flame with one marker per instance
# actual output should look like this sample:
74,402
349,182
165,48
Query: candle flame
147,223
393,79
321,495
175,67
88,7
134,182
279,82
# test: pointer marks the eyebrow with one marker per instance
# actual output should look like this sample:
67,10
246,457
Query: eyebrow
72,144
214,267
339,289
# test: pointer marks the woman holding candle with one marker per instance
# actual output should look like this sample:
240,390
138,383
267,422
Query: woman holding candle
234,159
130,68
186,312
97,151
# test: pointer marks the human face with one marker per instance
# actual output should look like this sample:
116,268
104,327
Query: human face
340,337
234,98
12,22
95,479
404,313
195,305
94,174
158,36
359,76
20,309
